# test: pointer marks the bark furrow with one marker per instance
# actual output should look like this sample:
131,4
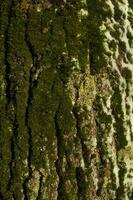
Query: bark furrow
66,100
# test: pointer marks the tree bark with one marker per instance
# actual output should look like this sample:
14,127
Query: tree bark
66,100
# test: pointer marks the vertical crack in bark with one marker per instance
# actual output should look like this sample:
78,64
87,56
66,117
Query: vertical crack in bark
13,195
27,109
1,197
91,57
12,162
80,175
59,142
8,96
79,171
121,189
102,162
28,127
6,46
95,52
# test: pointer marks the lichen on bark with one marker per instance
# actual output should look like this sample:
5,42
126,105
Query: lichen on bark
66,99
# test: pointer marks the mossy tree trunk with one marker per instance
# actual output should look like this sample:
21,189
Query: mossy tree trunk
66,99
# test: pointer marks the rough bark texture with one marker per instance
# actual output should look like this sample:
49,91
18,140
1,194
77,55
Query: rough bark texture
66,100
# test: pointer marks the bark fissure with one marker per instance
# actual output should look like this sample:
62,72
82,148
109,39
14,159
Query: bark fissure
66,116
29,100
6,45
102,162
1,197
11,100
59,158
12,163
79,170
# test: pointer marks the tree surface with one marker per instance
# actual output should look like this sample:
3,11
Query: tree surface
66,99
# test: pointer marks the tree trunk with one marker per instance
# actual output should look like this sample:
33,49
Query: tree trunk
66,100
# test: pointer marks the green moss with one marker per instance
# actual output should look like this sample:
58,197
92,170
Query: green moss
116,34
128,107
121,190
130,3
87,92
82,185
119,15
99,55
5,142
113,45
47,94
117,111
46,46
103,117
33,185
122,46
127,74
130,57
130,38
